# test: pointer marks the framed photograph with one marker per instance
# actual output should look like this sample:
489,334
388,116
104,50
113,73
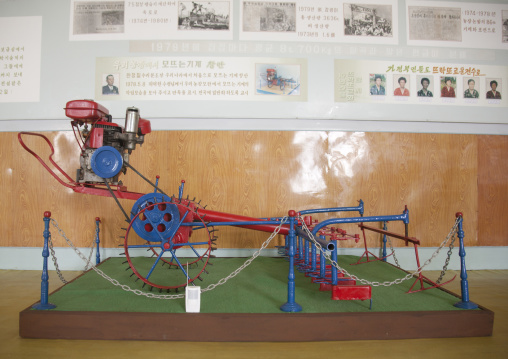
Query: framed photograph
269,16
448,86
471,86
494,88
204,15
377,84
434,23
401,85
425,86
368,20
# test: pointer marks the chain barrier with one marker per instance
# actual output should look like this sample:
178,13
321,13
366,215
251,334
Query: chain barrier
251,259
386,283
166,296
53,256
248,261
447,261
92,245
393,251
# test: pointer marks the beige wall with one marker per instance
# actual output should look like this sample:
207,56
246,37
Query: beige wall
266,173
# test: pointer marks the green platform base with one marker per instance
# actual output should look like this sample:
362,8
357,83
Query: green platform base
247,308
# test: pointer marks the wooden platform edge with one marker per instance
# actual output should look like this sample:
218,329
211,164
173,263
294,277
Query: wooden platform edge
284,327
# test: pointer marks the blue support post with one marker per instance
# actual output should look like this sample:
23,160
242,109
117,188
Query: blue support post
180,190
385,228
300,249
43,304
335,276
291,305
322,260
464,286
97,240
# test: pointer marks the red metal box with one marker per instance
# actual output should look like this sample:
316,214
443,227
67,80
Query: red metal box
85,110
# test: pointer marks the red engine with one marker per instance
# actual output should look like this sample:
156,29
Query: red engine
92,124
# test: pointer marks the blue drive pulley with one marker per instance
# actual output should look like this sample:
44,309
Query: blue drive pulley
106,162
159,220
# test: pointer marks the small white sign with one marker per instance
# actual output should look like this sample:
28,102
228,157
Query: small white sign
192,299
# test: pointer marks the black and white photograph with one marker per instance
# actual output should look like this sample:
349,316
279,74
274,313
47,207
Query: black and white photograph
106,17
368,20
204,15
504,15
434,23
269,16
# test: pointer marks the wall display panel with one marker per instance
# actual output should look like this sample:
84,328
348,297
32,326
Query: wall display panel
420,83
127,20
201,78
374,21
78,37
20,58
454,24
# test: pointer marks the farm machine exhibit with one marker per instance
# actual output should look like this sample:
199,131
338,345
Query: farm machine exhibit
180,233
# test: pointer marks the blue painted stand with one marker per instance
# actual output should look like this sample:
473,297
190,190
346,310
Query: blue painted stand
385,228
464,303
43,304
291,305
97,240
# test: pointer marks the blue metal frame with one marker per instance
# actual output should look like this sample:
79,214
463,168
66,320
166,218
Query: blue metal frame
358,208
404,217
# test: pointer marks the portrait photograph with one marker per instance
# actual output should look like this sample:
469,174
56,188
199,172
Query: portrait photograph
493,86
110,83
401,85
377,84
471,86
448,86
425,86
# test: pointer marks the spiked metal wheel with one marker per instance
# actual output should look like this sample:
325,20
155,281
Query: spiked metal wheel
166,225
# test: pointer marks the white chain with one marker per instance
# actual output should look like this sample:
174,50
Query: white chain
91,248
167,296
248,261
55,262
386,283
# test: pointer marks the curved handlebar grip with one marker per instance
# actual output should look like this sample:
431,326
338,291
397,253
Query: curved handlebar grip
72,183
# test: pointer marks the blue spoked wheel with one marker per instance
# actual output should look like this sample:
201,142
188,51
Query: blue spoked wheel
106,162
178,238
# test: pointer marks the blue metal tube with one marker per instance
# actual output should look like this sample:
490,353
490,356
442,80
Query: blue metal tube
404,217
358,208
334,269
322,260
